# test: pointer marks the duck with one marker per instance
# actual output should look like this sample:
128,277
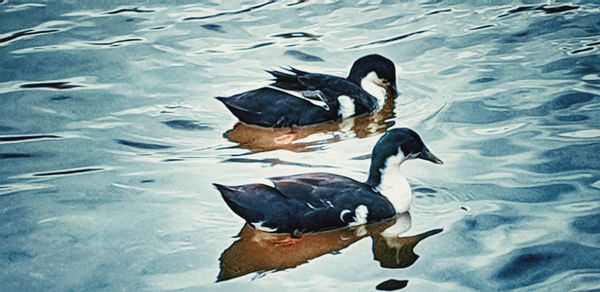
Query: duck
298,98
315,202
258,139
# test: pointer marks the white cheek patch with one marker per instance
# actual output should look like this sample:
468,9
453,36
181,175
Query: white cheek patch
346,106
369,84
360,215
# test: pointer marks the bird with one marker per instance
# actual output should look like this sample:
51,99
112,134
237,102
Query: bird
298,98
314,202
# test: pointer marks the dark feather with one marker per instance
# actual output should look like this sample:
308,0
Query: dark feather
268,107
305,203
322,189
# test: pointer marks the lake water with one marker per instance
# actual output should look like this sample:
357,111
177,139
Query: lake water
110,139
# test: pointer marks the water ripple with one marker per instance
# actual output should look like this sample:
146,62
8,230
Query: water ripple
438,11
130,10
11,189
299,34
388,40
52,85
187,125
274,161
68,171
534,264
25,138
299,55
482,27
141,145
24,33
546,9
213,27
230,12
118,42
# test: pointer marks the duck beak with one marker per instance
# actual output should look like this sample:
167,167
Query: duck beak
427,155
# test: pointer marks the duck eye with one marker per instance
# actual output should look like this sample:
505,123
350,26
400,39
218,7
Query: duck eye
385,82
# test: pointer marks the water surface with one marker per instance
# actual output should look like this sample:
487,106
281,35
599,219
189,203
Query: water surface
110,139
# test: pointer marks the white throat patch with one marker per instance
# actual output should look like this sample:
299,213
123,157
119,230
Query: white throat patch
394,184
369,84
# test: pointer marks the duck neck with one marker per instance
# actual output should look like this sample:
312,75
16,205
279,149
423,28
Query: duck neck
386,178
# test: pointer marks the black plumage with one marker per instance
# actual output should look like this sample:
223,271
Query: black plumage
269,107
316,100
306,202
315,202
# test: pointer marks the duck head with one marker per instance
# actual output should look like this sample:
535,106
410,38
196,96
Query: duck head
400,145
393,148
376,75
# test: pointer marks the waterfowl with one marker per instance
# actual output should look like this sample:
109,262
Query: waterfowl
265,139
314,202
300,98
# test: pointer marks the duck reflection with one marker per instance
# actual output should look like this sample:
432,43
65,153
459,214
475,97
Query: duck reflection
263,139
257,251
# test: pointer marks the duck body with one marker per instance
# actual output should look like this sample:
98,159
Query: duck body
314,202
269,107
299,98
307,203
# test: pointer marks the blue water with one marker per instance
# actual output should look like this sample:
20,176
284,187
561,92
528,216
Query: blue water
110,139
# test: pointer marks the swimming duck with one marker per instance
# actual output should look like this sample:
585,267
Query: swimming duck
299,98
313,202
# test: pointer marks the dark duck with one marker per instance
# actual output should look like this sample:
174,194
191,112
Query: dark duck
314,202
299,98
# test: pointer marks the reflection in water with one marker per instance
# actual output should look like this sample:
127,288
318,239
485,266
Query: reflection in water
264,139
257,251
391,285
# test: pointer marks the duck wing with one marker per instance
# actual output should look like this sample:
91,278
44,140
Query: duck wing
269,107
308,85
340,194
323,87
317,189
